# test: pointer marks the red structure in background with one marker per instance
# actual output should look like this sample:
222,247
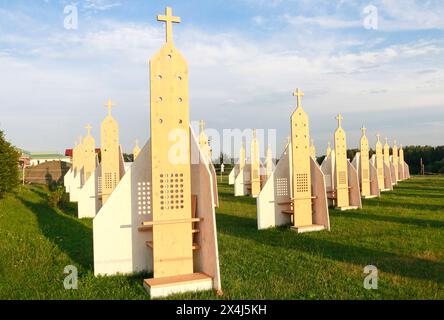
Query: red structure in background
68,152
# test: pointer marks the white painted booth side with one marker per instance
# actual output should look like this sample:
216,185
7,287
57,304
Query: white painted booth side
242,182
354,188
233,174
76,185
406,171
67,180
393,173
89,197
214,181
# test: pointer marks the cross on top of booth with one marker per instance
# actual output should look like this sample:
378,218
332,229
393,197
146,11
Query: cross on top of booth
109,105
88,127
339,117
364,130
169,19
299,94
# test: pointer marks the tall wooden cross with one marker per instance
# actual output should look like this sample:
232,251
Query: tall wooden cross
169,19
299,94
88,127
109,105
339,118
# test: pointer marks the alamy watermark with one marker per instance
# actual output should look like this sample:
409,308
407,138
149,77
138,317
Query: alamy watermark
71,21
71,281
371,281
371,17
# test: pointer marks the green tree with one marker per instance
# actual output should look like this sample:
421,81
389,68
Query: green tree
9,159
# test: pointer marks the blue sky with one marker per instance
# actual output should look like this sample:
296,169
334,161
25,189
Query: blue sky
245,56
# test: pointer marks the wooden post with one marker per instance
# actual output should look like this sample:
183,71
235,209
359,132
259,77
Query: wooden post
301,170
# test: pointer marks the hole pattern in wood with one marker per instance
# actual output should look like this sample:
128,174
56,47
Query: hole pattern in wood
110,180
302,182
171,191
342,177
99,186
282,187
144,198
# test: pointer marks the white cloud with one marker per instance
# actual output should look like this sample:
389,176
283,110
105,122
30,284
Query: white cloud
100,5
329,22
64,78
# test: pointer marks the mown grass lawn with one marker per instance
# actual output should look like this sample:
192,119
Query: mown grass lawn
402,234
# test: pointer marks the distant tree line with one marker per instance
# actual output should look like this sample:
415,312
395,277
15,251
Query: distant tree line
432,158
9,160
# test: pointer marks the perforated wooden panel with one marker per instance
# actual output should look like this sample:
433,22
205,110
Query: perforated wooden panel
282,187
99,185
302,183
301,171
171,171
172,191
144,205
342,177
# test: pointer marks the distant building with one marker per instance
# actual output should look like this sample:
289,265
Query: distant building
30,159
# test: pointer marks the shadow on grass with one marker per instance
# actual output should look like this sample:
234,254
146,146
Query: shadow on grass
423,189
71,236
229,197
385,261
410,221
69,208
404,204
421,195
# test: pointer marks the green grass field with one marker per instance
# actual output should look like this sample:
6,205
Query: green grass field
402,233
